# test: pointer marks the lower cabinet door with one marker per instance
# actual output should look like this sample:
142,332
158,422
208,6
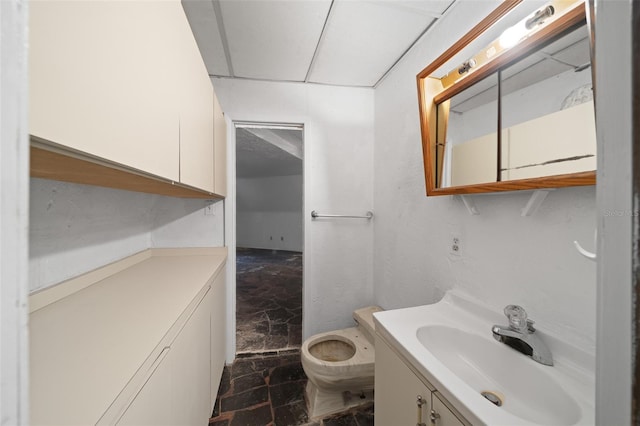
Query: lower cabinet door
152,406
178,391
442,414
190,368
397,390
218,334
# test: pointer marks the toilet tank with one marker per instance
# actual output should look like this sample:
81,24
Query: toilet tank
364,318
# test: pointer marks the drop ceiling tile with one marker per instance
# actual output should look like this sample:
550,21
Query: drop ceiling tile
432,8
363,40
273,39
202,20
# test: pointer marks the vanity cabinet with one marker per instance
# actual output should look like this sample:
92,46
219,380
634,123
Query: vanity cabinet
403,397
121,84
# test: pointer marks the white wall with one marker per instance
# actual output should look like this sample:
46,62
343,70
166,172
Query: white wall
269,212
505,258
14,216
76,228
338,178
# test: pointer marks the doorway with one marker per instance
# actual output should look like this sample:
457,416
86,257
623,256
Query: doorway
269,237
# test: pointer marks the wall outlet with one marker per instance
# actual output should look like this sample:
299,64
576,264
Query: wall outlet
455,245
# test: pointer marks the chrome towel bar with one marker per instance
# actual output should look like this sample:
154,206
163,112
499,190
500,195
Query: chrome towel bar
315,214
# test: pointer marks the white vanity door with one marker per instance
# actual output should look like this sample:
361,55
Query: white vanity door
444,415
397,389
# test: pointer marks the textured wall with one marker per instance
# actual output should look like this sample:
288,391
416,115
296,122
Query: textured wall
338,178
505,258
76,228
269,212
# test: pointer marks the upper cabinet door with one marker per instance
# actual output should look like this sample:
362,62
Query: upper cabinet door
196,110
101,80
220,147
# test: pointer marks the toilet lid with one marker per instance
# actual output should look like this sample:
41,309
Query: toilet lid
364,317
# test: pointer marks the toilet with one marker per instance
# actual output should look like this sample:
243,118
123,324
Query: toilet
340,366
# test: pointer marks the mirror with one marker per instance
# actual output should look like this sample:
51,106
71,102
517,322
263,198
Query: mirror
518,113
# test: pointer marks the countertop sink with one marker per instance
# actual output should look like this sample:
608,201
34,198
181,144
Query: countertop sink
451,344
505,376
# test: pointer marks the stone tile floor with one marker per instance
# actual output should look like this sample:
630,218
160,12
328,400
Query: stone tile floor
268,300
268,390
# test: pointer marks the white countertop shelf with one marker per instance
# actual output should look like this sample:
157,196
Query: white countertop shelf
91,335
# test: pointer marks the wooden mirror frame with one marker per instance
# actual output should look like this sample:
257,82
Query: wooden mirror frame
427,101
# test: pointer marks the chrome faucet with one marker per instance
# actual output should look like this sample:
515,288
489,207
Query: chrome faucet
520,335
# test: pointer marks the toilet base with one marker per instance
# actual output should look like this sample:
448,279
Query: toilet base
322,403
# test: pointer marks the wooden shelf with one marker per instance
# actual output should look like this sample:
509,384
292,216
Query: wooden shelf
56,164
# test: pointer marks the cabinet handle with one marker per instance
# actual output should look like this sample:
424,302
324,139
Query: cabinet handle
420,402
434,416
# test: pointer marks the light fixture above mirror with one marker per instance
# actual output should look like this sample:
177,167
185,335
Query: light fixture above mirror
518,113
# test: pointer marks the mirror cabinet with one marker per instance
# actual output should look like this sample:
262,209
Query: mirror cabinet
516,113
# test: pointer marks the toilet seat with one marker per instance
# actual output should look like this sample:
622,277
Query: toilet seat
357,371
348,367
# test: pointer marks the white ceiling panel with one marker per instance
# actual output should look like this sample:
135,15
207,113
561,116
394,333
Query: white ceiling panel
363,39
432,8
273,40
202,20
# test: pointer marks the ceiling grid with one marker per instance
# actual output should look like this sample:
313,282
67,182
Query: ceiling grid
354,43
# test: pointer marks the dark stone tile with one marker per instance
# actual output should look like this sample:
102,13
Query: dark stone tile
280,315
216,408
279,330
247,382
291,356
364,418
225,381
242,367
224,422
257,416
276,341
287,393
297,319
244,399
295,335
268,363
340,420
290,415
269,295
287,373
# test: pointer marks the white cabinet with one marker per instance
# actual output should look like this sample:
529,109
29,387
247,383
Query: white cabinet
195,110
137,342
220,147
443,413
218,335
99,81
123,83
151,405
179,387
397,390
402,398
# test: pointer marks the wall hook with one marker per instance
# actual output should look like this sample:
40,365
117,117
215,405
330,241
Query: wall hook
589,255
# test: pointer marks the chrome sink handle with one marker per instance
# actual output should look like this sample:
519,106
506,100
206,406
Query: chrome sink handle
521,335
518,319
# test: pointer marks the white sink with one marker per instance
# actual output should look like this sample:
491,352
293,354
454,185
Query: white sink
487,365
450,343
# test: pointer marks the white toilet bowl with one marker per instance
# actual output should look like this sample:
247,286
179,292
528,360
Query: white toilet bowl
340,366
